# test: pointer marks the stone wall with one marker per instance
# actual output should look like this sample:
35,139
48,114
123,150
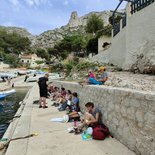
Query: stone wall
129,114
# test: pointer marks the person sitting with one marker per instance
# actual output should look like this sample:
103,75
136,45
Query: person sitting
74,108
92,117
67,101
102,79
56,94
91,74
60,98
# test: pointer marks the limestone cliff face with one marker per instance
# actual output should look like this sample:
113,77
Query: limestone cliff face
75,25
82,21
49,38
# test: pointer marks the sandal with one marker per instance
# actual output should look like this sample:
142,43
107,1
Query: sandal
77,131
40,106
45,107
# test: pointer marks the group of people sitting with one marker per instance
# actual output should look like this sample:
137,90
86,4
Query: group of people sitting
92,77
66,100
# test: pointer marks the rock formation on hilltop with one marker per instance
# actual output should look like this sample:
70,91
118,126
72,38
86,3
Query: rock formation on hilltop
76,21
49,38
75,25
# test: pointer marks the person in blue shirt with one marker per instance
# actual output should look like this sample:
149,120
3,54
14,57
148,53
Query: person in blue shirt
74,108
102,79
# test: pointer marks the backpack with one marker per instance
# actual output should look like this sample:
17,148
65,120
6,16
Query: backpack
100,132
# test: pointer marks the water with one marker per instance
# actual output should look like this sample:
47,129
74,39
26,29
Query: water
8,108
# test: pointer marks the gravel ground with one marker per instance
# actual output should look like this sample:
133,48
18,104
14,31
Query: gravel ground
133,81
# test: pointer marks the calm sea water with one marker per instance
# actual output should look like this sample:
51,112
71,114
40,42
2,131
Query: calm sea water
8,108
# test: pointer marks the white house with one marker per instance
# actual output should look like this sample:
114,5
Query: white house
30,59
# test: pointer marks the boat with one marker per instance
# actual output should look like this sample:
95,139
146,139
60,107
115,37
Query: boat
6,93
2,96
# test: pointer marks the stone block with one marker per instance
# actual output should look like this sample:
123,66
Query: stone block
134,102
117,108
150,97
150,119
111,106
123,111
140,115
144,105
131,113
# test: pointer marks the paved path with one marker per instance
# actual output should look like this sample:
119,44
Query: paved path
53,138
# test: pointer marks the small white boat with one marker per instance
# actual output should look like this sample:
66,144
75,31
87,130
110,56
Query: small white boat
3,94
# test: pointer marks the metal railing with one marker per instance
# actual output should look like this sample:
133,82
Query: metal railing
137,5
124,21
116,29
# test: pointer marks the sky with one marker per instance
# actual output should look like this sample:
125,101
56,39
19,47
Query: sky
38,16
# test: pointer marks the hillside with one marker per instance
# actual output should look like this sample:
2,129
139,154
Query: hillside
75,25
48,38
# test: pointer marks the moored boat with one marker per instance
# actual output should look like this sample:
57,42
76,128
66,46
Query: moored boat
3,94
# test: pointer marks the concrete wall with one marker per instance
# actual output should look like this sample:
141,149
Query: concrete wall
134,44
140,36
118,48
102,57
101,40
129,114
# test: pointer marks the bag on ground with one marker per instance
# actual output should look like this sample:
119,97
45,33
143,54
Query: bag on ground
100,132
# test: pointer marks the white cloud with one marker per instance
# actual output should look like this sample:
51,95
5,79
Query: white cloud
30,2
37,2
14,2
66,2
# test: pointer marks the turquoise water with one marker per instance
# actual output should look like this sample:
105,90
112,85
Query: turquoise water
8,108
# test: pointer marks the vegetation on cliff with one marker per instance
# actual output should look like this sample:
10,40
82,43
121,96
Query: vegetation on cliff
11,45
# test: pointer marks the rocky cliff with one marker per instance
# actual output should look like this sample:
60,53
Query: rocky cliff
75,25
49,38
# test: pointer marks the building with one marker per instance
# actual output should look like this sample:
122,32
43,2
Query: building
30,60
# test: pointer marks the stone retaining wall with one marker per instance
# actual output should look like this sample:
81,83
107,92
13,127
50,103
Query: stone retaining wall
129,114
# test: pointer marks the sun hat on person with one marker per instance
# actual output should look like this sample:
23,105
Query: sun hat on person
90,71
101,68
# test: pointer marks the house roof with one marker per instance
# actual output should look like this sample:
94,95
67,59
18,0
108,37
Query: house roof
26,57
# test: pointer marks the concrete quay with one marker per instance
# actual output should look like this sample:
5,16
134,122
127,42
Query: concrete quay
53,138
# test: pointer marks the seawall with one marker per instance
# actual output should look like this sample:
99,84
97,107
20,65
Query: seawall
129,114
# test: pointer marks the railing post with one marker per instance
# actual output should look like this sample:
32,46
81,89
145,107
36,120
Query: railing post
137,5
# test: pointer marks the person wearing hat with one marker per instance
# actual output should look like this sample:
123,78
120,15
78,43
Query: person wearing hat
102,79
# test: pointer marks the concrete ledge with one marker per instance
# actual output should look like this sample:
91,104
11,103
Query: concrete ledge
21,127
